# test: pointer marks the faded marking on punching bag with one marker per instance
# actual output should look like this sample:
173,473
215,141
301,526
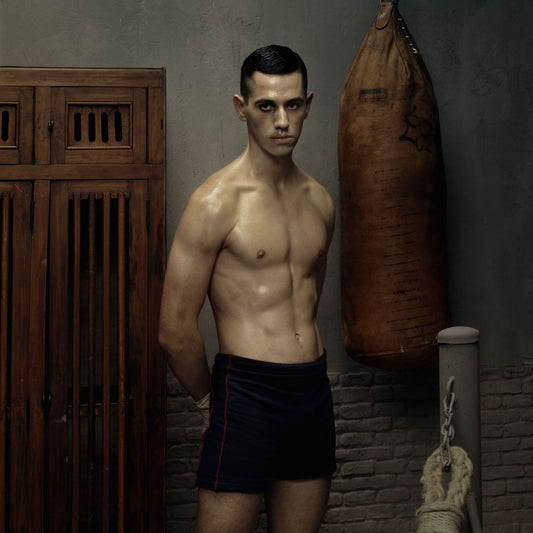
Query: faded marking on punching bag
418,131
373,95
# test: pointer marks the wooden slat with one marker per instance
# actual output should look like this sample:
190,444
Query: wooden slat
20,362
4,306
91,419
111,95
90,172
106,361
43,101
36,355
122,339
98,156
58,495
74,77
156,125
156,361
138,126
26,117
58,134
137,357
98,188
76,382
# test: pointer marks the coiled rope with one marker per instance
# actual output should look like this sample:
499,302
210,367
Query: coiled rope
441,512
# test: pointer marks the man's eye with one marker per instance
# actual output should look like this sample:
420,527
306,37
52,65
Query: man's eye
293,106
265,107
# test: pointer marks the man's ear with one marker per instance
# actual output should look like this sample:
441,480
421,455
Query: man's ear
308,101
238,102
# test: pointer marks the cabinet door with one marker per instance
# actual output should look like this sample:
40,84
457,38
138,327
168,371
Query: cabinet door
20,403
99,352
81,266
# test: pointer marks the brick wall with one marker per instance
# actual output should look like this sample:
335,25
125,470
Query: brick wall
507,449
387,425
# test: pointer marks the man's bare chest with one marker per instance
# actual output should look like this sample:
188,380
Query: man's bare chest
293,233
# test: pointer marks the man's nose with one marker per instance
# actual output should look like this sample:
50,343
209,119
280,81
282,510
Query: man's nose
281,119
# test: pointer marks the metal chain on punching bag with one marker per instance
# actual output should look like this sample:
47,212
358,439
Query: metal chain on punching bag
442,511
392,201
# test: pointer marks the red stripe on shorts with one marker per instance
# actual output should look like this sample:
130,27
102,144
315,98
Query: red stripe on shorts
204,431
225,422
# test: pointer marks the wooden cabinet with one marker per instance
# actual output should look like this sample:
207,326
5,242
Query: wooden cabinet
82,226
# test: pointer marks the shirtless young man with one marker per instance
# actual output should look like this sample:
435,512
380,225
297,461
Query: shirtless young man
254,238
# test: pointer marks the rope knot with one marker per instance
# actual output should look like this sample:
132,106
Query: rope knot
442,513
439,517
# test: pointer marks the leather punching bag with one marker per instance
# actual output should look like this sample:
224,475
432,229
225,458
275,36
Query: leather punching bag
392,201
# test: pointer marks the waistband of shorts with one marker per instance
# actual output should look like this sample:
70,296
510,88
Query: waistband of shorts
237,362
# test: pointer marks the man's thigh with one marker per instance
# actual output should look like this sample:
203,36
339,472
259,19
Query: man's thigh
227,512
297,506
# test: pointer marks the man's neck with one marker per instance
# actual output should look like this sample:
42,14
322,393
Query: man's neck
263,166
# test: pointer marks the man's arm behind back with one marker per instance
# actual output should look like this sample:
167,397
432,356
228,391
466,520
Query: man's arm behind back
198,238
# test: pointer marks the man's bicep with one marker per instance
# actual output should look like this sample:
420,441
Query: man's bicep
196,243
187,278
200,234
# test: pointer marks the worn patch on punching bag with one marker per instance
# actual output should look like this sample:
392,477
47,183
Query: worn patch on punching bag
373,95
418,131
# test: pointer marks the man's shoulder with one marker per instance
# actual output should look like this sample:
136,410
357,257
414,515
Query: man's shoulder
219,189
210,212
317,192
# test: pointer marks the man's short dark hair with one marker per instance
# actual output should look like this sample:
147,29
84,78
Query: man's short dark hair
271,59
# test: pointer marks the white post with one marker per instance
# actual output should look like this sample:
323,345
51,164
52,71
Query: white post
459,358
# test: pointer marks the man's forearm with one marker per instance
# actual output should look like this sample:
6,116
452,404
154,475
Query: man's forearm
188,362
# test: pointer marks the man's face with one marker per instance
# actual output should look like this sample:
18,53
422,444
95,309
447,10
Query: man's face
274,112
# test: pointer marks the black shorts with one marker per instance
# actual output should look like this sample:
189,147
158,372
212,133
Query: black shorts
267,421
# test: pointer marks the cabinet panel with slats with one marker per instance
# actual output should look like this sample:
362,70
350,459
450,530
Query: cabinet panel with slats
82,256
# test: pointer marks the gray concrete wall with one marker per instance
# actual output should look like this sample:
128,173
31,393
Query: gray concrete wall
479,55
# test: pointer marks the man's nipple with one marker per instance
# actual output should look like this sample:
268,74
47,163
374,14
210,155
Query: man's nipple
260,254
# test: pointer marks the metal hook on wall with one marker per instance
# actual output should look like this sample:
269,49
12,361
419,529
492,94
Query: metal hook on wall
449,385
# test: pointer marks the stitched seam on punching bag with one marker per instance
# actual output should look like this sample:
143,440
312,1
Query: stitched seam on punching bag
400,43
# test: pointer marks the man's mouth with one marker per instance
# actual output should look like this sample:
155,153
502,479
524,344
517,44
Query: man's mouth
282,139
